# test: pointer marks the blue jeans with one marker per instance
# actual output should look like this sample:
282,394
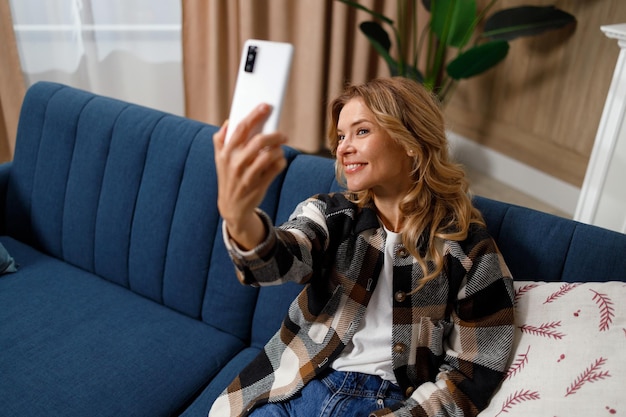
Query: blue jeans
336,394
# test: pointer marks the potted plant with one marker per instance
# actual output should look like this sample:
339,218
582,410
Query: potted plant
459,40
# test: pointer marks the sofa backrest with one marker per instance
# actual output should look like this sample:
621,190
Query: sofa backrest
540,246
111,187
128,193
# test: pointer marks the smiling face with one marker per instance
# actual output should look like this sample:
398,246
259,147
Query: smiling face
369,157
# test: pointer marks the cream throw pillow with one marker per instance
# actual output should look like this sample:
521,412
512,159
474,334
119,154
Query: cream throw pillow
569,354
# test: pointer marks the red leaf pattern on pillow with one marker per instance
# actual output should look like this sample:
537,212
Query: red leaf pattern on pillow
545,330
565,288
607,312
521,291
519,364
516,398
591,374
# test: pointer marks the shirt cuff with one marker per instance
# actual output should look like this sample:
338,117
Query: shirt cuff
253,254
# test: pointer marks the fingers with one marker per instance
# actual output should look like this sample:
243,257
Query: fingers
250,125
259,170
261,143
255,152
242,186
246,165
220,136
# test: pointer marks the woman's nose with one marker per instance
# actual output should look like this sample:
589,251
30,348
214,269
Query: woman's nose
343,146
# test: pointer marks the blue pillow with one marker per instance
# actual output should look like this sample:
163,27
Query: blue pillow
7,264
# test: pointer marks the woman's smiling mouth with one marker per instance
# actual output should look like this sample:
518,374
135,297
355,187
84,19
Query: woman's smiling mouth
353,167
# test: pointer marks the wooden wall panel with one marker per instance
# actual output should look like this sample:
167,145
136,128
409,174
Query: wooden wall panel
542,105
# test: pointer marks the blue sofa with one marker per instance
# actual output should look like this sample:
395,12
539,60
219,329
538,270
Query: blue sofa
125,302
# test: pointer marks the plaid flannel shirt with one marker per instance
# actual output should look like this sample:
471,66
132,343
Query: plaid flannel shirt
451,340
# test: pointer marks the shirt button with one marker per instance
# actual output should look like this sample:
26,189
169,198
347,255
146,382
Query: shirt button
402,253
399,347
409,391
400,296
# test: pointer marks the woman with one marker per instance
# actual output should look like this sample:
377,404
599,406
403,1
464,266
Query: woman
408,307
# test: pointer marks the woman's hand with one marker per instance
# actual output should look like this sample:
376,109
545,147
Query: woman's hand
246,166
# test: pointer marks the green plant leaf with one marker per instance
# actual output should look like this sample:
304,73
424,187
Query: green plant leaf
379,39
370,11
453,21
478,59
512,23
376,35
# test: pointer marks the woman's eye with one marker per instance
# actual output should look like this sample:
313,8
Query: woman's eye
362,131
340,137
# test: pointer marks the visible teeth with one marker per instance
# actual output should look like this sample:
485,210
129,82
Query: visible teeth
352,166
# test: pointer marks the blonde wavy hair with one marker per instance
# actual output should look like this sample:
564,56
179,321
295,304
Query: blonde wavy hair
438,205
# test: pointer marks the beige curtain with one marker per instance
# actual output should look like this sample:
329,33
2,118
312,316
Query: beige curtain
12,87
330,51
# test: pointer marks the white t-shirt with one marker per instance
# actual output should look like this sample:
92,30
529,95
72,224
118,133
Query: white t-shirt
370,349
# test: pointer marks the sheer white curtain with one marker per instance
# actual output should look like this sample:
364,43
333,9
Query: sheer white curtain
128,49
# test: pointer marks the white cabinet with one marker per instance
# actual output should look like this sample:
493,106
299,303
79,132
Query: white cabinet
602,200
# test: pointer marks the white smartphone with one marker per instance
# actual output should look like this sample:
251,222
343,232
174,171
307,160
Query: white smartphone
262,78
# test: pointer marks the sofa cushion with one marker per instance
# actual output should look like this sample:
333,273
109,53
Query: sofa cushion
569,351
72,341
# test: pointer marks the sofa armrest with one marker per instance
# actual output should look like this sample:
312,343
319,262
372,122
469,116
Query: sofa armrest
5,170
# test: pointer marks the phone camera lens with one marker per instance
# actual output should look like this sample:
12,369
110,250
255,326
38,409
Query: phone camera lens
250,59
